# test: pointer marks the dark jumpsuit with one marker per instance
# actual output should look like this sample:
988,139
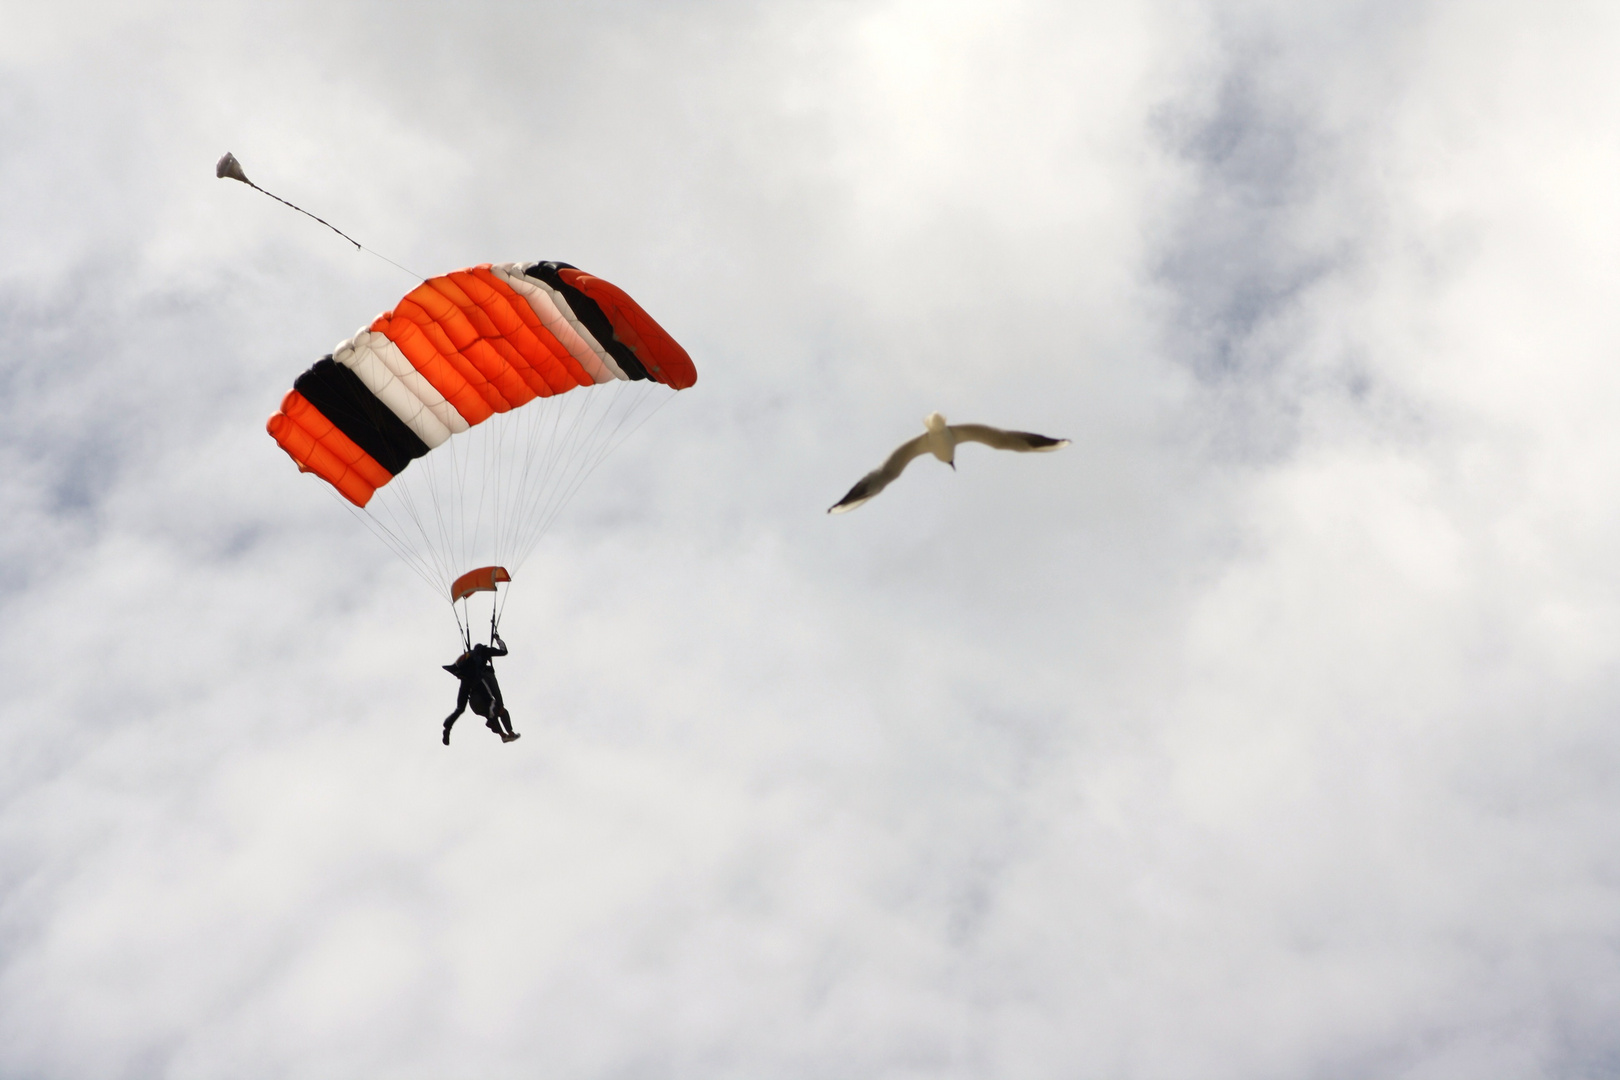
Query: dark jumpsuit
479,690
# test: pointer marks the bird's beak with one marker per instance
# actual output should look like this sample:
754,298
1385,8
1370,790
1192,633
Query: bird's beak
952,464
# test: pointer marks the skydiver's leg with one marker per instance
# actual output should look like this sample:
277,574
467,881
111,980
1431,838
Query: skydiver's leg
449,721
497,711
483,706
487,703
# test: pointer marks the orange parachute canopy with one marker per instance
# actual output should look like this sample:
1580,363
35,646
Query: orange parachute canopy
478,405
457,350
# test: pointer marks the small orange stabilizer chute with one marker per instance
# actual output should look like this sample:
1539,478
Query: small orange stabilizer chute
483,579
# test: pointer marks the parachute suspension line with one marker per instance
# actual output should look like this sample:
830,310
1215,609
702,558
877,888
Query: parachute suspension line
511,475
464,466
443,512
543,448
463,623
620,434
443,549
381,531
610,438
565,451
516,476
610,441
436,500
534,460
405,497
396,512
492,469
399,502
501,610
228,168
478,516
396,537
542,460
609,430
541,445
463,461
511,446
535,420
575,448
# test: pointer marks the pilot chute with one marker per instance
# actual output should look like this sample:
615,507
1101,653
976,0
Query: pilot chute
483,579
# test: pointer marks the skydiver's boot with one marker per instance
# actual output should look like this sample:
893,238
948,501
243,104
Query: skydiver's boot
506,721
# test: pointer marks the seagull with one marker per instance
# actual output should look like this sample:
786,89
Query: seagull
940,440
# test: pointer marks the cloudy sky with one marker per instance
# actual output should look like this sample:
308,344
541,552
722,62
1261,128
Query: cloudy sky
1269,731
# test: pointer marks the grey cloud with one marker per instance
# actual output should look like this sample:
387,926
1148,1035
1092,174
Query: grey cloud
1144,759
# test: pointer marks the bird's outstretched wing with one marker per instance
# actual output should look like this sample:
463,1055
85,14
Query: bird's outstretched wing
1023,441
880,478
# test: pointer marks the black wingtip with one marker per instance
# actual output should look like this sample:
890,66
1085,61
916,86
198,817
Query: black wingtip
849,502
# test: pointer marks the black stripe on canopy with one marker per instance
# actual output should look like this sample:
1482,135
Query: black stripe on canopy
343,399
588,312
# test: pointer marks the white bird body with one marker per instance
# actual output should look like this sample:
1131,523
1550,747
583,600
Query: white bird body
941,440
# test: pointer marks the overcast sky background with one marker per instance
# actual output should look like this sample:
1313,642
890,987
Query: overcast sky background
1269,731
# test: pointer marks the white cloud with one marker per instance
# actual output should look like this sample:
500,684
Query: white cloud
1264,732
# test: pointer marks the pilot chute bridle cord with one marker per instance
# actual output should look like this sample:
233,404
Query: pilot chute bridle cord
228,168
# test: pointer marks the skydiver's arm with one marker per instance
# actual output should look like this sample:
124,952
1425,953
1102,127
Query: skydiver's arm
502,644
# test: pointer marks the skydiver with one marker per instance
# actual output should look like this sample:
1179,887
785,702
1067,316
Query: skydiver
480,690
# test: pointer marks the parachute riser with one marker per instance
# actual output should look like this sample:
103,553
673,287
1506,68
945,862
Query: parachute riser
464,621
484,579
463,625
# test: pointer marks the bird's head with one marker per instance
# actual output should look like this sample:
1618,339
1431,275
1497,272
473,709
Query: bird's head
934,422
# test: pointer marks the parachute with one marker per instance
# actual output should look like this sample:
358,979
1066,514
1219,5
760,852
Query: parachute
458,424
